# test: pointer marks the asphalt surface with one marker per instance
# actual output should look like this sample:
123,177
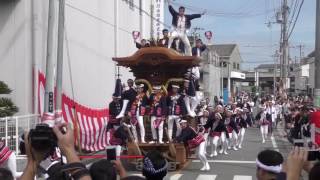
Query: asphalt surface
238,165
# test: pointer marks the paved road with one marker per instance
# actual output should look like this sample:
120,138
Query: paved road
238,165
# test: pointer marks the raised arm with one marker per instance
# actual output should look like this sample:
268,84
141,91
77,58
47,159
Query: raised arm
193,16
172,11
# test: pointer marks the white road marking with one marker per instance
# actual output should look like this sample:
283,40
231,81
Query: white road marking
175,177
238,177
228,161
274,143
206,177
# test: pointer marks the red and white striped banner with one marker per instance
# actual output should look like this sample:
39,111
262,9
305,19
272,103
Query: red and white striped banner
89,124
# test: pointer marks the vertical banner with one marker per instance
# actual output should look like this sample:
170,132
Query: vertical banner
158,19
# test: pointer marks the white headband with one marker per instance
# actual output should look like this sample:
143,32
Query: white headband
275,169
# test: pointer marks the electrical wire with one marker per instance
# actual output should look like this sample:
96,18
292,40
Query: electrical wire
225,14
293,13
294,24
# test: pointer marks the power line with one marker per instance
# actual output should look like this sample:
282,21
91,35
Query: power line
294,24
111,24
224,14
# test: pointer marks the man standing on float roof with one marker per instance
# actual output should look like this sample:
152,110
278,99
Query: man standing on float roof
181,24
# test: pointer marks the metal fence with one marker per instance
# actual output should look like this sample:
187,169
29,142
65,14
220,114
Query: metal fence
12,127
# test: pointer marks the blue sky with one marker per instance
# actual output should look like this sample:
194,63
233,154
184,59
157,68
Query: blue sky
257,42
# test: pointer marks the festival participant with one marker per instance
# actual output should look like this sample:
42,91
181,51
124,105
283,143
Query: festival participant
189,98
144,43
216,124
181,24
118,138
264,123
271,115
315,127
176,109
158,112
192,140
269,165
8,158
164,41
232,130
138,110
203,118
199,48
128,97
242,125
114,110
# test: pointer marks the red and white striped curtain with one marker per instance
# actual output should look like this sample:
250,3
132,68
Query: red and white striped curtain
89,124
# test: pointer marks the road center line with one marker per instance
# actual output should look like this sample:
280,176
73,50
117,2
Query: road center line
274,143
228,161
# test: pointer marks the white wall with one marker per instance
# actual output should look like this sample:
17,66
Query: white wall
15,54
89,47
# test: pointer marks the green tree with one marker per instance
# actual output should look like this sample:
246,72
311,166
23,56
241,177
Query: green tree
7,107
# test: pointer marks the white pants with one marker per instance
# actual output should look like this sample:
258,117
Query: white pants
215,141
241,136
201,150
141,127
184,38
154,131
173,119
207,140
233,140
11,164
264,131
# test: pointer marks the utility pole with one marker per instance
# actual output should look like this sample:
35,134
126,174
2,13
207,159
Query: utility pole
48,116
301,52
285,11
317,58
282,18
58,112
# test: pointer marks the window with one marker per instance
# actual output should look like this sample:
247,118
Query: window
238,66
234,65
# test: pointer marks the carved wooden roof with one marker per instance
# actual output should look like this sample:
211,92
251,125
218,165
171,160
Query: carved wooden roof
157,55
158,64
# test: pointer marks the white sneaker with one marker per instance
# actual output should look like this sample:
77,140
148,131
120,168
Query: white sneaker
160,142
263,141
204,168
152,142
225,152
207,167
229,147
235,148
239,146
214,154
221,151
143,141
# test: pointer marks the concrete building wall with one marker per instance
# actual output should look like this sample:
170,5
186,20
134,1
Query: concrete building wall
211,74
89,46
15,51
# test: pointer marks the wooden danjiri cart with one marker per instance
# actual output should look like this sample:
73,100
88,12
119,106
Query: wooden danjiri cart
158,66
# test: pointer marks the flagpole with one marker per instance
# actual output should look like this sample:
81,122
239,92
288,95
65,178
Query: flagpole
58,113
48,116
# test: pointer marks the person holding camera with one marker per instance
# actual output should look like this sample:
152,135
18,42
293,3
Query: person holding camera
63,134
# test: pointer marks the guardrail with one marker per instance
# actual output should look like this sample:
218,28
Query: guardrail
12,127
